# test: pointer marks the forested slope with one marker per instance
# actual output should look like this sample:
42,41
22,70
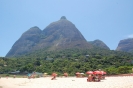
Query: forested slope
71,61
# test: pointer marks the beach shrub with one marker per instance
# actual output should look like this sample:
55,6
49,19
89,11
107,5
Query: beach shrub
124,69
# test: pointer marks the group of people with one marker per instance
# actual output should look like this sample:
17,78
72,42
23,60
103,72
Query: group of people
54,75
31,75
94,78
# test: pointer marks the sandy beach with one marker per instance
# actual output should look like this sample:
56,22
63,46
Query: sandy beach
70,82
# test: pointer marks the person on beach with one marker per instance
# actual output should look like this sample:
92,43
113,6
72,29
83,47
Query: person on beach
89,78
54,76
93,78
7,77
29,75
14,76
97,78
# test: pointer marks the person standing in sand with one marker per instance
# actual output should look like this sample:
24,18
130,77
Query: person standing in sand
14,76
89,78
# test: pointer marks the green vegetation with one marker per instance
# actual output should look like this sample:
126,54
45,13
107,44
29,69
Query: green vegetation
71,61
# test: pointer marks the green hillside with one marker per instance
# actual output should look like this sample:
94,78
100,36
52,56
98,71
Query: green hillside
71,61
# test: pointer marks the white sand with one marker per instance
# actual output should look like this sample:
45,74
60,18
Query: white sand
70,82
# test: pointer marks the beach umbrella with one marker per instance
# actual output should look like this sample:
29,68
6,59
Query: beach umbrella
45,73
103,72
54,74
89,72
78,73
97,72
81,73
65,74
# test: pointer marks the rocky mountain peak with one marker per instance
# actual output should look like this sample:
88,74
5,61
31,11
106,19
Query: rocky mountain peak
58,35
125,45
99,43
63,17
33,30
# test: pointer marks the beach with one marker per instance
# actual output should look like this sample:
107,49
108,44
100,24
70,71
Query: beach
69,82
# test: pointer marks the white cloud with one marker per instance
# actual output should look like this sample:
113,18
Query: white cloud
130,36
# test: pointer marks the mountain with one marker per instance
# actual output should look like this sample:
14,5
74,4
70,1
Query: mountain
63,34
58,35
99,43
26,42
125,45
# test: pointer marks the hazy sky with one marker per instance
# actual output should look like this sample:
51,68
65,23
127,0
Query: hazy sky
107,20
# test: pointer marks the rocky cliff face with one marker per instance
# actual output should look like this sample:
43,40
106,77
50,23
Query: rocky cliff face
58,35
99,43
63,34
26,42
125,45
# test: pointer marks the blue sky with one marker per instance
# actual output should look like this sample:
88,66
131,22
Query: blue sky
107,20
